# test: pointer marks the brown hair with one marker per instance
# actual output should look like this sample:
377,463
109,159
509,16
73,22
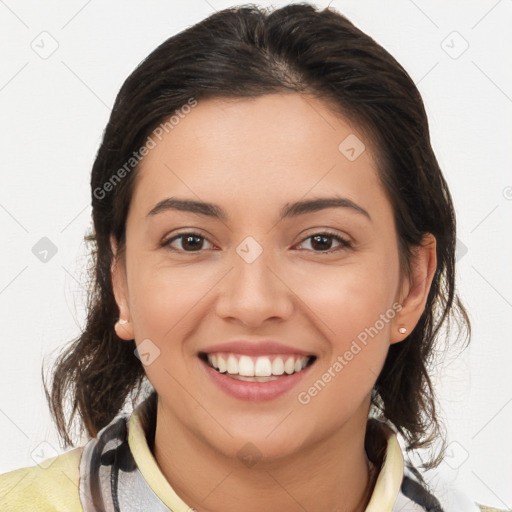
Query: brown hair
244,52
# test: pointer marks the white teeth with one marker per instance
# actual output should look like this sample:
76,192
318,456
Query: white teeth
246,367
289,366
254,379
277,366
263,367
259,367
222,364
232,364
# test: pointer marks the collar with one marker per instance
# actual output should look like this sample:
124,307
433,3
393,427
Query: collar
118,471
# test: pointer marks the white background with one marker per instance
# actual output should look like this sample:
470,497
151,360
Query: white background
53,112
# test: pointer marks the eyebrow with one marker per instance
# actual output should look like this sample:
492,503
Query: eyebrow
289,210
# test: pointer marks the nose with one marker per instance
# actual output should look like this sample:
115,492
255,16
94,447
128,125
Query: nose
254,291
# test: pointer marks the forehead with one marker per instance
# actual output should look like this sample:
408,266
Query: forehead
252,152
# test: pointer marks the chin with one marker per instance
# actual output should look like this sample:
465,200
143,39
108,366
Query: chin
257,447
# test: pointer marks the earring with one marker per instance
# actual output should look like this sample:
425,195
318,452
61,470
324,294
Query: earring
117,328
120,322
402,330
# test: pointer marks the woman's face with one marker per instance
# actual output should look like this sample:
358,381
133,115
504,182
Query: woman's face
271,280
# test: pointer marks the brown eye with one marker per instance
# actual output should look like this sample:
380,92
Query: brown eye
322,242
190,242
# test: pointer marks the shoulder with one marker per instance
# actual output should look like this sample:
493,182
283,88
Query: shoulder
51,485
437,494
406,487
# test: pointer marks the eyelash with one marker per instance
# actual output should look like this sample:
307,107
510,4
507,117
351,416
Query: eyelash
344,243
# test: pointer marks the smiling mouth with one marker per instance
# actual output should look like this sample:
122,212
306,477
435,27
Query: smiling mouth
257,369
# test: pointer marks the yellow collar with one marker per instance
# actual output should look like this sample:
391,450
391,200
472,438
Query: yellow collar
385,492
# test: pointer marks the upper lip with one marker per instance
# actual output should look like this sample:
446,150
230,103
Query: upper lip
254,348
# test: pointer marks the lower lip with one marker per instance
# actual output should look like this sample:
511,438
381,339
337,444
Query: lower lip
255,391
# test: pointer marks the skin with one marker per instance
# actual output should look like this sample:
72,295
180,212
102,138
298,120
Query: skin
251,156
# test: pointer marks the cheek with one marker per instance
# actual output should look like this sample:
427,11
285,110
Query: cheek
350,298
345,297
355,316
164,311
353,308
164,298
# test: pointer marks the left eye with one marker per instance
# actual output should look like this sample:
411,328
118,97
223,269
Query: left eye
194,242
322,239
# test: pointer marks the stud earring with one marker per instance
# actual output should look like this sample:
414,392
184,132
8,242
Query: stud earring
120,322
402,330
117,325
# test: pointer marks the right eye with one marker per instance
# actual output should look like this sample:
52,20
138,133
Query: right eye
190,239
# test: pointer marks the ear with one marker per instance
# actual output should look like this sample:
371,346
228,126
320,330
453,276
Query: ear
118,275
415,288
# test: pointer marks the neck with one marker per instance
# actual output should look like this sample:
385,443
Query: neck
333,474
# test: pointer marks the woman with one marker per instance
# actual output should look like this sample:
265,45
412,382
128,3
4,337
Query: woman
275,251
